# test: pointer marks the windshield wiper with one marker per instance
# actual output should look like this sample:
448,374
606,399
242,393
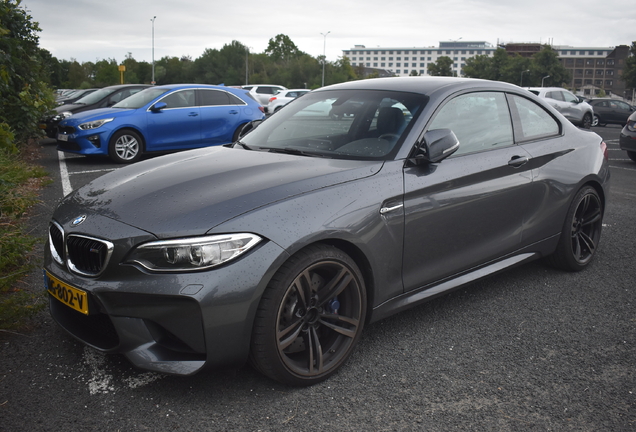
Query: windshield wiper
242,144
294,151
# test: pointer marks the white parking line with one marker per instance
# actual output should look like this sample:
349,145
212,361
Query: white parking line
66,182
93,171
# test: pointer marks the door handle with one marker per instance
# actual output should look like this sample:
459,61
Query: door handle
193,114
233,112
517,161
385,210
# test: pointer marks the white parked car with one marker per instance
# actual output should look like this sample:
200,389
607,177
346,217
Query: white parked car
262,92
574,109
282,98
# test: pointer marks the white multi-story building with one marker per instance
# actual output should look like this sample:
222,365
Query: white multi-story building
401,61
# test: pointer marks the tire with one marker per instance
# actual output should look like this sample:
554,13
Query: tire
596,121
587,121
310,317
125,147
632,155
581,232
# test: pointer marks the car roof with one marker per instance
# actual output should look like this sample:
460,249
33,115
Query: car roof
423,85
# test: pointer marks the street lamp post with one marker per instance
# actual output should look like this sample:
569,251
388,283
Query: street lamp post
324,56
153,50
521,82
547,76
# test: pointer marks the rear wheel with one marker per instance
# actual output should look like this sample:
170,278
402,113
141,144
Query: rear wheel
125,147
632,155
581,232
310,317
597,121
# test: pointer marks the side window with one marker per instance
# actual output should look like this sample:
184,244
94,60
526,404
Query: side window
481,121
265,90
213,97
180,99
234,100
556,95
118,96
569,97
533,121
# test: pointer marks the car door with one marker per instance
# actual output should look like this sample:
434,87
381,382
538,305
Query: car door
572,108
468,209
620,111
220,116
176,126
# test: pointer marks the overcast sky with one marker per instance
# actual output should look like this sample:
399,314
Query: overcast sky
90,30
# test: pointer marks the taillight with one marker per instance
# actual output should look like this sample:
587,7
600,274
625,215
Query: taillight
604,150
272,99
262,109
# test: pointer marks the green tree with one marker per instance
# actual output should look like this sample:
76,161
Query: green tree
441,67
546,63
414,73
282,49
629,71
24,93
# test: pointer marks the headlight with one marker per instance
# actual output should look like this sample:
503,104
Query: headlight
94,124
631,126
192,254
61,116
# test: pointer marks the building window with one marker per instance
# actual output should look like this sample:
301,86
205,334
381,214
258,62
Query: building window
599,72
588,82
589,72
375,59
572,52
390,58
589,62
598,82
610,62
578,82
390,52
381,64
421,71
398,58
479,52
609,83
429,59
564,53
581,52
406,58
609,72
578,72
390,64
383,52
422,64
398,52
375,65
600,62
448,52
398,64
471,52
397,71
368,64
590,53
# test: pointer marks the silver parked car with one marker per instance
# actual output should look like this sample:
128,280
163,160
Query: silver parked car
282,246
574,109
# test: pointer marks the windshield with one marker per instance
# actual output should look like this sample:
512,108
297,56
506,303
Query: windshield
140,99
96,96
346,124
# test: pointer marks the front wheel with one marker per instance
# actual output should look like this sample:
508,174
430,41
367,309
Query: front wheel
125,147
581,232
632,155
310,317
587,121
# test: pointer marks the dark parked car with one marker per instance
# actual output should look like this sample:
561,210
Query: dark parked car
74,96
282,246
102,98
610,111
627,140
159,119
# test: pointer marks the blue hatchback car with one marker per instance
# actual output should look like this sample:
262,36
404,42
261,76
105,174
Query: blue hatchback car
160,119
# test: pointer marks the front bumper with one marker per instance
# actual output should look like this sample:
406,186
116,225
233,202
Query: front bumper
172,323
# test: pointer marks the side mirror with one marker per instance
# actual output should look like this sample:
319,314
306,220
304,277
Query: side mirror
437,145
249,126
158,106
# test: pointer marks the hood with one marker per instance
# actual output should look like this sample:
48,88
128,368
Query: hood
189,193
96,114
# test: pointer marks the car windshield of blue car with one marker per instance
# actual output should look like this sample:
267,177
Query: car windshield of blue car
141,99
95,97
343,124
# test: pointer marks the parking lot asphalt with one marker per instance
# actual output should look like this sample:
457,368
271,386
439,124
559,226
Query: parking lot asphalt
526,350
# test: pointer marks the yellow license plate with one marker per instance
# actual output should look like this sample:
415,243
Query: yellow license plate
70,296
